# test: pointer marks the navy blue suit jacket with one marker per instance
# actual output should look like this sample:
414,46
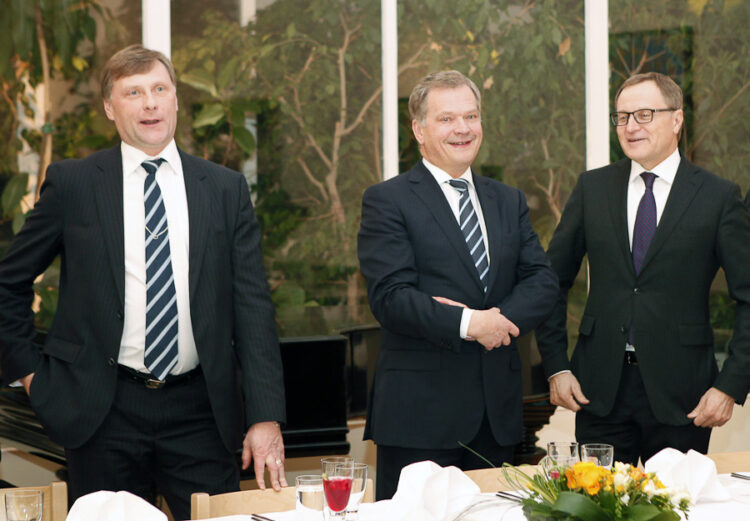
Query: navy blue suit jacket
432,388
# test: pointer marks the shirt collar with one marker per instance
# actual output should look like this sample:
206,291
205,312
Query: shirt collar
666,170
441,176
133,157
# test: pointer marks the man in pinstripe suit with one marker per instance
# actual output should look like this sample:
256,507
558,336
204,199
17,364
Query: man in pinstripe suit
124,424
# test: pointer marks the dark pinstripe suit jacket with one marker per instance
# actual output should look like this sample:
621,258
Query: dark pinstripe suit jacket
80,216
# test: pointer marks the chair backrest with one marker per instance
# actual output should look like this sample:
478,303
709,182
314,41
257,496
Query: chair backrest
55,501
203,506
492,480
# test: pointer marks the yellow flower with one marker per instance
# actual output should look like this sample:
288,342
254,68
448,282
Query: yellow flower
588,476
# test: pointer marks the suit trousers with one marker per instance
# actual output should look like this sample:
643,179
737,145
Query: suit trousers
391,460
155,440
632,428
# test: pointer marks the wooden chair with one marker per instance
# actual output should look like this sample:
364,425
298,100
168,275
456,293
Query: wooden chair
203,506
492,480
55,501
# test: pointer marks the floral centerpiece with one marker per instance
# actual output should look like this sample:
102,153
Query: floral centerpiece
587,492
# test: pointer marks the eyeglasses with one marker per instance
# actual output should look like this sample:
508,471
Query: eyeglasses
620,119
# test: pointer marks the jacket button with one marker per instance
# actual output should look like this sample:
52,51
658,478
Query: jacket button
623,329
119,315
636,290
111,361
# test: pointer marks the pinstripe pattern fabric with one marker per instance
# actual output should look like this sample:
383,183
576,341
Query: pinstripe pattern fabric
161,299
469,223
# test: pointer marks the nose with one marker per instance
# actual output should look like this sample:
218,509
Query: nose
149,101
461,126
632,125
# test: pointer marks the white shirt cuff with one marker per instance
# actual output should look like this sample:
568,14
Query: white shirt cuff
559,372
465,319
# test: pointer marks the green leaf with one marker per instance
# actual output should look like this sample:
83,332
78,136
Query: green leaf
18,221
210,114
291,30
650,513
244,139
228,72
579,506
14,191
201,80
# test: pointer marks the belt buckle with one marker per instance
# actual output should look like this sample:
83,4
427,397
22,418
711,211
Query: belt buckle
153,383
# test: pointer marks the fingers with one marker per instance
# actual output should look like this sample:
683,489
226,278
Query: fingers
275,471
565,391
246,456
260,472
444,300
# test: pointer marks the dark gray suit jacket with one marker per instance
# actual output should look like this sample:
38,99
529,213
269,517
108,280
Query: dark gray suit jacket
704,226
80,217
432,388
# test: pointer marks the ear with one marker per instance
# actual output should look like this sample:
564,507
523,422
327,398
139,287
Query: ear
678,117
417,129
108,110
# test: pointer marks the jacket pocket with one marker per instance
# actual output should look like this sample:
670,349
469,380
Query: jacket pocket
696,335
61,349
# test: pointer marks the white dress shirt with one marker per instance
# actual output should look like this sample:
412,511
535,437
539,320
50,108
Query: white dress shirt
453,196
665,174
172,185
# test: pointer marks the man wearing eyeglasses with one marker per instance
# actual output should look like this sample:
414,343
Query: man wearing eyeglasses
655,228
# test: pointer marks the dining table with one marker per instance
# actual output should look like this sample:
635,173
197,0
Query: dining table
484,505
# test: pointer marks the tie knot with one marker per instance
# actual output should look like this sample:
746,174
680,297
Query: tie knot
459,184
649,178
152,165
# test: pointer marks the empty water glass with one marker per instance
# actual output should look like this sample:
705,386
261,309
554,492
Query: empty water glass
24,505
600,453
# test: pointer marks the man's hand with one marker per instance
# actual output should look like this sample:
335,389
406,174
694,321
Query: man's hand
26,381
713,410
491,328
565,390
264,444
445,300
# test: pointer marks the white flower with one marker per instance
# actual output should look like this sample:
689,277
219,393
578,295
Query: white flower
621,480
625,499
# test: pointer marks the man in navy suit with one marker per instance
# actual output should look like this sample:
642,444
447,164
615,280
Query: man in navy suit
655,228
139,377
454,274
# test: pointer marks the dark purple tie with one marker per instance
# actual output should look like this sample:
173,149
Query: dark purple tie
645,222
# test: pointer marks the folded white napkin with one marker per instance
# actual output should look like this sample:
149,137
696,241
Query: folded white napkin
114,506
426,492
693,472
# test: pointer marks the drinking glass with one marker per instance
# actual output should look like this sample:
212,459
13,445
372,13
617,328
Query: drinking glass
359,483
309,497
24,505
600,453
560,455
337,486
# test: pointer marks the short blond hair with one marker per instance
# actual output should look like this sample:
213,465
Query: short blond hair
438,80
134,59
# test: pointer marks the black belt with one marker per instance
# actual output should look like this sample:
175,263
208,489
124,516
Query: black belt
630,358
149,381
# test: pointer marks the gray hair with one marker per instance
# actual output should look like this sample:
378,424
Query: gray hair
438,80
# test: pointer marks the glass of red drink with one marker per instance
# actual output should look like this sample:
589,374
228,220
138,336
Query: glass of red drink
337,485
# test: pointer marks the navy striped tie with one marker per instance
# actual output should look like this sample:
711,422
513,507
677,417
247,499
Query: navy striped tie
644,229
161,300
472,231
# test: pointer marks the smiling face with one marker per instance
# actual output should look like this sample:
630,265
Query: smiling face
144,109
648,143
451,134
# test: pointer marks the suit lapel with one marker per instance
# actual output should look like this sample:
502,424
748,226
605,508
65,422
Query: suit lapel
199,208
427,189
108,196
685,187
618,209
493,222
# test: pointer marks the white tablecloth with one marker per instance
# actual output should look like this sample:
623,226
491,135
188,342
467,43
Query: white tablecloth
495,509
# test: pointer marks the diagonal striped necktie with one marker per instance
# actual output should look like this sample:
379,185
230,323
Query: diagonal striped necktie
643,230
469,223
161,299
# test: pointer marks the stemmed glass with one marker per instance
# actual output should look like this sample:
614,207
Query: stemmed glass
24,505
337,486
